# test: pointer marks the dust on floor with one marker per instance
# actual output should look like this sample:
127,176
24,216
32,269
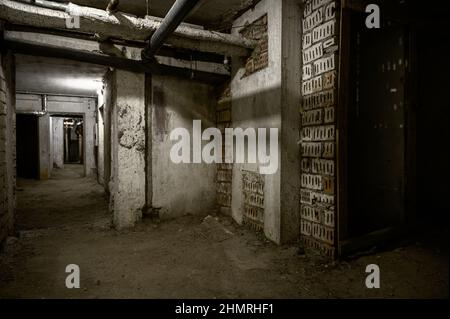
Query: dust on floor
65,221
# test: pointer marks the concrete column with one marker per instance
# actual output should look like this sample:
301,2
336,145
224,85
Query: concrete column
50,158
109,85
89,139
7,145
58,141
44,147
127,184
290,121
101,148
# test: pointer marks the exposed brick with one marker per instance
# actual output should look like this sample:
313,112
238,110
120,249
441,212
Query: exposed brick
322,166
225,166
224,116
261,61
329,115
258,30
253,191
264,45
224,176
224,200
319,82
223,105
249,66
328,185
329,80
314,182
224,188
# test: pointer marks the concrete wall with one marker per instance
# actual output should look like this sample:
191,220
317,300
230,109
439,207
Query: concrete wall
45,156
290,101
108,100
269,98
101,146
127,182
68,106
50,162
7,146
180,188
58,142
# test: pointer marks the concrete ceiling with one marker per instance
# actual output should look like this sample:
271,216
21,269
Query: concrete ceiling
214,14
57,76
60,76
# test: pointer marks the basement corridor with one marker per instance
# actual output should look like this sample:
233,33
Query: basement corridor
64,221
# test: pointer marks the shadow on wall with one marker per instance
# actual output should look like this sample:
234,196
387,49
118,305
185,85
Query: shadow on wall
191,188
179,189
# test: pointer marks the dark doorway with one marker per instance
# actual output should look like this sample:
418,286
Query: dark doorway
376,129
27,146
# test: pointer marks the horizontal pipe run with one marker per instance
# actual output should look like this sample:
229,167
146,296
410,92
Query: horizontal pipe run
116,62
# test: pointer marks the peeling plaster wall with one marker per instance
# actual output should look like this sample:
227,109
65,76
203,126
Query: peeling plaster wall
256,103
127,183
179,189
269,98
101,146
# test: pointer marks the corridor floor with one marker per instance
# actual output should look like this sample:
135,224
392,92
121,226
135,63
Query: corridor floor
64,221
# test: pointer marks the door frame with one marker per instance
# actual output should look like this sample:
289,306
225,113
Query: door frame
345,243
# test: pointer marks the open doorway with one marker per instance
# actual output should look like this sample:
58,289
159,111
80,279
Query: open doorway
376,128
27,146
73,140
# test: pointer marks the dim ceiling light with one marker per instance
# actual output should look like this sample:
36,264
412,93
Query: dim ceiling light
93,84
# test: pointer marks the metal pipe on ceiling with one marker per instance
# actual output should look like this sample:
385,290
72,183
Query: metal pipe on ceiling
55,94
112,6
116,62
176,15
170,23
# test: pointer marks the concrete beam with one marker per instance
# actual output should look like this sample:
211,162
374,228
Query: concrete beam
37,49
44,147
212,63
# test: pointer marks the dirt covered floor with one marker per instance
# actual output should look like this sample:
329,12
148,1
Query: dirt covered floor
64,221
